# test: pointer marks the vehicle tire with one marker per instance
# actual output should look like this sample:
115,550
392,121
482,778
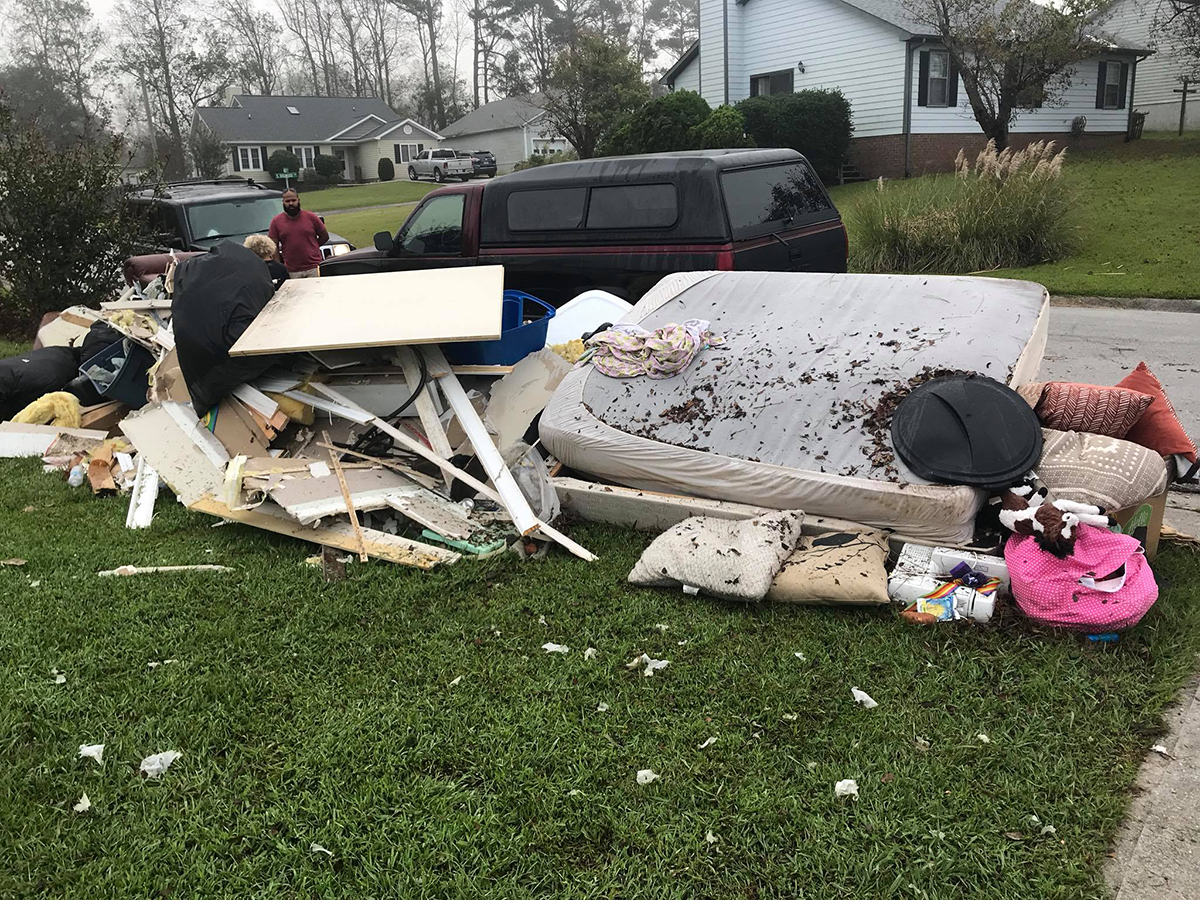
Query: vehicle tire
438,176
412,174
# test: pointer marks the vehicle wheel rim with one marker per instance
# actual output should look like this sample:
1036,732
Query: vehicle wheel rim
412,174
437,174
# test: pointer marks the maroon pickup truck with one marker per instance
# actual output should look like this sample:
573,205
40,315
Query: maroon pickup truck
621,224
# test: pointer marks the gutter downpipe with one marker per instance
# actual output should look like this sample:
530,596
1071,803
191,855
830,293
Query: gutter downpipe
908,55
1132,87
725,46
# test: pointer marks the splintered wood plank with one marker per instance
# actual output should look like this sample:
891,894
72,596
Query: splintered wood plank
341,477
382,309
379,544
430,423
426,508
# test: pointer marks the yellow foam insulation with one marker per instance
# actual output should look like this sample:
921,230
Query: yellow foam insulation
294,409
570,351
59,408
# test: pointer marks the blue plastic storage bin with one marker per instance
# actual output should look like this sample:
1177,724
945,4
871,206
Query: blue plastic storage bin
517,340
131,384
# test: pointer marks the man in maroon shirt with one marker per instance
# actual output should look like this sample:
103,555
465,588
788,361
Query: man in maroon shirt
299,235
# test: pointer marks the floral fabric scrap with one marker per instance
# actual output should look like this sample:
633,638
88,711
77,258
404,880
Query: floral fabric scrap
629,351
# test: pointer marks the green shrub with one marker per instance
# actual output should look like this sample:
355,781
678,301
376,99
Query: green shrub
387,171
282,161
542,159
660,126
328,168
1009,209
723,129
818,123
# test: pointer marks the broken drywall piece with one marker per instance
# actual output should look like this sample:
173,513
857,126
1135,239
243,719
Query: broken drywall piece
92,751
517,398
83,805
710,838
541,620
590,653
59,677
645,776
662,628
862,698
1161,751
314,847
154,766
319,469
706,743
186,455
556,648
652,665
308,499
143,496
800,656
165,662
439,515
791,717
126,571
983,738
602,707
12,562
847,787
455,682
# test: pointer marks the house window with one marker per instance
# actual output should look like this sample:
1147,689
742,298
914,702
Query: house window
306,155
250,158
1112,85
939,78
403,153
772,83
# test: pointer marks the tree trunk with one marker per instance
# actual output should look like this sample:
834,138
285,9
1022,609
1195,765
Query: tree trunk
475,52
168,88
439,101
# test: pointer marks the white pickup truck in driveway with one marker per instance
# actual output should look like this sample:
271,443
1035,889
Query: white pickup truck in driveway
440,165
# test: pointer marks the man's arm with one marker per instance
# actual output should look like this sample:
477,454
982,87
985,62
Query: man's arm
322,231
273,234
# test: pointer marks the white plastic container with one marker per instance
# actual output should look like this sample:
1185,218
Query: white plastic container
585,313
946,601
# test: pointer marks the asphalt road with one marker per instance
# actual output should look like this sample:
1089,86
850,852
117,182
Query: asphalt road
1100,346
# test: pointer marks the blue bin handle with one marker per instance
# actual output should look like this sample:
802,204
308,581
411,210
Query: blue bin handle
522,296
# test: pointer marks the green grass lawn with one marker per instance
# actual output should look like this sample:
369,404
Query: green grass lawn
360,226
354,196
1138,231
315,713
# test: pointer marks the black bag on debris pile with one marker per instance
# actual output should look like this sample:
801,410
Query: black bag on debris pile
217,296
25,377
99,338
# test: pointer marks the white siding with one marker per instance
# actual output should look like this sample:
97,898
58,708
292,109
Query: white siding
1078,99
1160,74
689,78
712,58
841,47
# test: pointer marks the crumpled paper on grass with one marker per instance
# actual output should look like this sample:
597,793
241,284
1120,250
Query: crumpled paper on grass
92,751
652,665
154,766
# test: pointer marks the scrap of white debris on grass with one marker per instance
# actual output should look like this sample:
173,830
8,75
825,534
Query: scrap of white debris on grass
710,838
92,751
314,847
921,744
165,662
59,677
800,656
1161,750
590,653
862,698
645,776
847,787
603,707
983,738
662,628
575,792
652,665
555,648
791,717
708,742
83,805
541,620
154,766
151,570
455,682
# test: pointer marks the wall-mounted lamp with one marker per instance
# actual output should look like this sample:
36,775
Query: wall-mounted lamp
800,66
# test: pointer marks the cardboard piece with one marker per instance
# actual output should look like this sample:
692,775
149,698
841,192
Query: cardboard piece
233,425
99,471
1144,521
103,416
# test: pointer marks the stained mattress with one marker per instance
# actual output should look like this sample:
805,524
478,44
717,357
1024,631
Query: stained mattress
791,411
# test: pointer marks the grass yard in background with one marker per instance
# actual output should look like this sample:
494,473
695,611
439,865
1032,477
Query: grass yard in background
356,196
359,226
330,713
1137,232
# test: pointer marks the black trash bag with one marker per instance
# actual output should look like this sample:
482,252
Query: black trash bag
27,376
99,338
217,296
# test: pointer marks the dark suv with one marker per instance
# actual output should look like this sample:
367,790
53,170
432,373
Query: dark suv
194,215
485,162
621,224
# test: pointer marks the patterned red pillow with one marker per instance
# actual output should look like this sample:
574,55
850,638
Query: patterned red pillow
1160,429
1110,411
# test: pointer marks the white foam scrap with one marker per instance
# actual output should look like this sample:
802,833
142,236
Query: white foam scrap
165,662
862,698
983,738
83,805
800,656
92,751
541,620
603,707
937,835
154,766
662,628
682,643
1049,829
847,787
791,717
455,681
60,678
710,838
319,469
652,665
921,744
1160,749
556,648
812,766
576,792
645,776
314,847
708,742
591,653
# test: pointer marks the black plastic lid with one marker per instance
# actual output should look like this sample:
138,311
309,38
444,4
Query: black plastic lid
967,429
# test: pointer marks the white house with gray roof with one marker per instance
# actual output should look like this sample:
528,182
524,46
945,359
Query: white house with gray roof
911,113
356,130
513,129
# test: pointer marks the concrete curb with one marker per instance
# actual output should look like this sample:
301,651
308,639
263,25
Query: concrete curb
1155,304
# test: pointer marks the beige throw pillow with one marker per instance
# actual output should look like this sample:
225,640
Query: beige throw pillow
844,567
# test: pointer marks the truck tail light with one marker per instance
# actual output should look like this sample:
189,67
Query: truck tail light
725,261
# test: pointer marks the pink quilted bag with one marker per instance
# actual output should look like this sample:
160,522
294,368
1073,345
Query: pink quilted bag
1105,585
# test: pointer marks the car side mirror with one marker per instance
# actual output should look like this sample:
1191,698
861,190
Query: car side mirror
384,242
177,243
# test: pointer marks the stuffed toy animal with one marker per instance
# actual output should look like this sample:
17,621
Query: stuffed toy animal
1023,510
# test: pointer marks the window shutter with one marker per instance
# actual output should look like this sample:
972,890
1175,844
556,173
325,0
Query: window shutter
395,153
263,150
923,80
1123,86
289,148
952,86
1102,73
237,163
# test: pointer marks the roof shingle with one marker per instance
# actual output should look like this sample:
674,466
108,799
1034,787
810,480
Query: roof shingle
256,118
